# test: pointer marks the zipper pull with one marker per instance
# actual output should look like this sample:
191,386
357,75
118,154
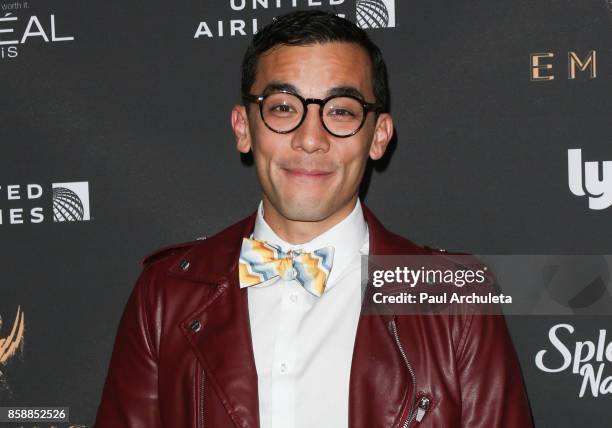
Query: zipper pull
424,403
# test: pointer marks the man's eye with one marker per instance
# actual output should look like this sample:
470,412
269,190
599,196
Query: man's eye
341,112
282,108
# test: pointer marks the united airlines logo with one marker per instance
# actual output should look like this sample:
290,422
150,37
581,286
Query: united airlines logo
70,201
34,203
375,13
588,179
247,16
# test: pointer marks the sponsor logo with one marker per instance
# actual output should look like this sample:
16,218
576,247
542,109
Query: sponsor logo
70,201
585,358
19,28
65,202
541,65
247,15
584,179
375,13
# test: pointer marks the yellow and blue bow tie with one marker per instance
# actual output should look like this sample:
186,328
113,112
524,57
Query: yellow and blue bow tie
261,260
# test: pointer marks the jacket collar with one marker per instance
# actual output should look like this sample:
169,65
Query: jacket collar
212,260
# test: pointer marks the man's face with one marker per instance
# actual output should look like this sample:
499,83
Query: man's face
308,174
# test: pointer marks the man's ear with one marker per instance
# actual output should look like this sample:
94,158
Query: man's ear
382,136
240,126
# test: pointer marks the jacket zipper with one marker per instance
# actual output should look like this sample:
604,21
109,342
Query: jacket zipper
411,412
201,403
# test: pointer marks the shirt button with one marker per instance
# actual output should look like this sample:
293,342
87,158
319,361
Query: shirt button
293,298
283,368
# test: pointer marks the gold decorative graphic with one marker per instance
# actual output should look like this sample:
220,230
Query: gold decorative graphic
10,344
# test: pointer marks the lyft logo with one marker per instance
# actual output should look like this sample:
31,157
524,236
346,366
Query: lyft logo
585,178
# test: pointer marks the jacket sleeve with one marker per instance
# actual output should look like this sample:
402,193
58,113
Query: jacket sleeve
492,389
130,396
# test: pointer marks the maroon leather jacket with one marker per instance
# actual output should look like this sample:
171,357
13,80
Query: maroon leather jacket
183,355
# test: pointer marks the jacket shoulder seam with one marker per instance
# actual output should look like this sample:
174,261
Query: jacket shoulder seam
166,251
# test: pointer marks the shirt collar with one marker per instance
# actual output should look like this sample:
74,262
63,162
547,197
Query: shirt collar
349,238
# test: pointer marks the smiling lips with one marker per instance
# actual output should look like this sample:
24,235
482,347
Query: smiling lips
307,173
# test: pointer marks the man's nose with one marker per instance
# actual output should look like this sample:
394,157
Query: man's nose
311,136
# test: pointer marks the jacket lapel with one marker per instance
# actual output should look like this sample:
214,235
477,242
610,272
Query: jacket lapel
380,385
219,332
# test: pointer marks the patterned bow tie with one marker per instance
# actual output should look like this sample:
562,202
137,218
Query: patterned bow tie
261,260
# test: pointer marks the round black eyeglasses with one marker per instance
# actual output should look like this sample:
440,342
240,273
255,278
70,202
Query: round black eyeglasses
284,111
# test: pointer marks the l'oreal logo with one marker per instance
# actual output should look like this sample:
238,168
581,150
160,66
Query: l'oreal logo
584,179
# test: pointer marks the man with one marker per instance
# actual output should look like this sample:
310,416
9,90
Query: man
260,325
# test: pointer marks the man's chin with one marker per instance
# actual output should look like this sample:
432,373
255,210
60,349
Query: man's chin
312,211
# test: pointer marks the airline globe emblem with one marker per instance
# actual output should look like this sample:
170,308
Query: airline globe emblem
67,206
372,14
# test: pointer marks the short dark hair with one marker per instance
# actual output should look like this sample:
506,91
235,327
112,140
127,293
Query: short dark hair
301,28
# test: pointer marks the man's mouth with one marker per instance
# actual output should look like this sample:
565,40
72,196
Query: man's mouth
307,173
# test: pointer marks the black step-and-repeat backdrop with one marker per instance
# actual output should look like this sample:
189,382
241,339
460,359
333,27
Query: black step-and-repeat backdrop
115,140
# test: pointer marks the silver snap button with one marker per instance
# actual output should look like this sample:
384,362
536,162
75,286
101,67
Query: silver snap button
195,326
424,403
293,298
184,265
283,368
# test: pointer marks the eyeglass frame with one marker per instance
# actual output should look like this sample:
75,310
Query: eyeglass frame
367,108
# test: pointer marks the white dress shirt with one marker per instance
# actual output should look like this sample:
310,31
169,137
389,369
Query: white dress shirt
303,344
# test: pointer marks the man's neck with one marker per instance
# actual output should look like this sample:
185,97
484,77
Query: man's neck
300,232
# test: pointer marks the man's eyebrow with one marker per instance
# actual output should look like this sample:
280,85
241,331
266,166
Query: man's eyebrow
340,91
337,91
279,86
